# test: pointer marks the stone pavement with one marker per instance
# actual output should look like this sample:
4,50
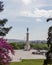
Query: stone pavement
21,54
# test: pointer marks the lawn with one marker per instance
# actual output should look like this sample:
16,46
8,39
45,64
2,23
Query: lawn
28,62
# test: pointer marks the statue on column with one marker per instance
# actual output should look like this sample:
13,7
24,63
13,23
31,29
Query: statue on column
27,45
48,59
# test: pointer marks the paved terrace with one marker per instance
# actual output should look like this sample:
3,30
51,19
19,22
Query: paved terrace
21,54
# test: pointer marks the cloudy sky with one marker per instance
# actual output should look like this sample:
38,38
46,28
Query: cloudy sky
27,13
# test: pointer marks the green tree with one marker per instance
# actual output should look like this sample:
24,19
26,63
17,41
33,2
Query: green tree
3,30
48,59
4,46
49,39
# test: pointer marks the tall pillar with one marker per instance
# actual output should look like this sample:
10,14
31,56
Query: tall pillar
27,46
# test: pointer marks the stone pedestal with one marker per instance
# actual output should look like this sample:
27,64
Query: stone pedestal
27,47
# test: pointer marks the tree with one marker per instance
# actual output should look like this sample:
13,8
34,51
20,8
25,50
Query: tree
4,46
49,40
1,6
48,59
49,19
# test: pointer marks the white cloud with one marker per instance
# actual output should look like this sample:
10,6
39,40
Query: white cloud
25,13
26,2
41,13
38,20
36,13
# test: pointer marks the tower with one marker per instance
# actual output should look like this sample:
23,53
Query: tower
27,45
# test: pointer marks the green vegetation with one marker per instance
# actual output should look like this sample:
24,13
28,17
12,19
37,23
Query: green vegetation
39,46
18,45
21,45
28,62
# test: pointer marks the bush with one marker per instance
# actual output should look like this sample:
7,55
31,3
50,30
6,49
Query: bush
18,45
39,46
21,45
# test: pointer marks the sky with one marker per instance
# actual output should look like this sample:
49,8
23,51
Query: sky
27,13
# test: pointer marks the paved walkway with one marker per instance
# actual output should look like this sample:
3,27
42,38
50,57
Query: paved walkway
21,54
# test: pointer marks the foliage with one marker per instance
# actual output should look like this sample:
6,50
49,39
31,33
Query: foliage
48,59
21,45
4,50
4,30
1,6
15,46
18,45
4,46
39,46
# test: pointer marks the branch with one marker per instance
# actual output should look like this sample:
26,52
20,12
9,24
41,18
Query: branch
49,19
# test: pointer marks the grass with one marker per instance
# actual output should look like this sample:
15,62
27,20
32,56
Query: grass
28,62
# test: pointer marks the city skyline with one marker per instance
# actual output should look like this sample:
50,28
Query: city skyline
27,13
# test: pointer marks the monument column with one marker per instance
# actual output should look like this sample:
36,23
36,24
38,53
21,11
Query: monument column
27,46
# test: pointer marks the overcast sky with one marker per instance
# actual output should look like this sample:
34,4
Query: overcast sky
27,13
